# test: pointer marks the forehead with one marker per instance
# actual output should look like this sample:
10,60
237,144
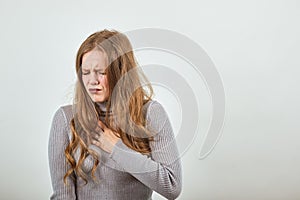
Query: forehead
94,59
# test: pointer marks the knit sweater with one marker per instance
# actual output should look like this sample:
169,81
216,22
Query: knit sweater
124,173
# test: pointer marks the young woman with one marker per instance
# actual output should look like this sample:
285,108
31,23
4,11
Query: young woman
115,142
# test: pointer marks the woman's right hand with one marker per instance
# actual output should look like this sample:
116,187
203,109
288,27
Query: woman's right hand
107,139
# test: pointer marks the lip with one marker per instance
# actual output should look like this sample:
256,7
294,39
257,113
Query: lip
94,90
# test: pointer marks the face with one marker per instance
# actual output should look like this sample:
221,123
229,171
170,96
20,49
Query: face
94,77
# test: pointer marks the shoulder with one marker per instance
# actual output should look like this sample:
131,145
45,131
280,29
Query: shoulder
64,114
156,115
68,111
153,108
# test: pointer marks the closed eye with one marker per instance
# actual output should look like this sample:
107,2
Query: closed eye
85,72
101,73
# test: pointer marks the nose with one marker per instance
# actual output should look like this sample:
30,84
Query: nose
94,79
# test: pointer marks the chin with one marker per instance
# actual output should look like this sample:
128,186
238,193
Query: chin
99,100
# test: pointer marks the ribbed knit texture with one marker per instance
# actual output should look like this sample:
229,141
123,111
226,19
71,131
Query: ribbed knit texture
123,174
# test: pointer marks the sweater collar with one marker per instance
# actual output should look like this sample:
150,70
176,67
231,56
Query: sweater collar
102,109
102,105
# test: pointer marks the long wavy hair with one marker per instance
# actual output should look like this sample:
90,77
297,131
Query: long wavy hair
129,90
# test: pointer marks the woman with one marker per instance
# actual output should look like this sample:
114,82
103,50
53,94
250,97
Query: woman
115,142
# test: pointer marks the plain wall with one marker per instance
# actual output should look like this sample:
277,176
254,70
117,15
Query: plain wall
254,45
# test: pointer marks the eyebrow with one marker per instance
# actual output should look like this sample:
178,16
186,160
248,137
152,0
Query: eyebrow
97,69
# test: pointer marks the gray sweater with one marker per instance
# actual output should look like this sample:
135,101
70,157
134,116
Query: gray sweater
123,173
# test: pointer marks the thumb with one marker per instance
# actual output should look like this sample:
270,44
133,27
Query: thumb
102,125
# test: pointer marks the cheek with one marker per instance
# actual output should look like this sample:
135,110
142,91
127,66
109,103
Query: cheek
105,83
85,81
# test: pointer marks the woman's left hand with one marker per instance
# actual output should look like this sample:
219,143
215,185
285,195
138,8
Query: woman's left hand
107,139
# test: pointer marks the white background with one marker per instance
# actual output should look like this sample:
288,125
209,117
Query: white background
254,45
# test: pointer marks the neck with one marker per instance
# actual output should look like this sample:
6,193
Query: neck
102,105
101,108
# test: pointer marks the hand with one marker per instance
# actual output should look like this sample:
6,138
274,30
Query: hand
107,139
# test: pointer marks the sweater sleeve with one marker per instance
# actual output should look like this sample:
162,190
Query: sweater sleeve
162,170
58,141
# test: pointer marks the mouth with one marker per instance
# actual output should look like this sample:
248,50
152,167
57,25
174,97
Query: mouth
94,90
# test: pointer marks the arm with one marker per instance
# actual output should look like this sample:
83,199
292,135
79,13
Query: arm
58,140
162,171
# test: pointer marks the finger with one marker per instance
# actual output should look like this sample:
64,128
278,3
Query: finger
97,136
97,143
102,125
